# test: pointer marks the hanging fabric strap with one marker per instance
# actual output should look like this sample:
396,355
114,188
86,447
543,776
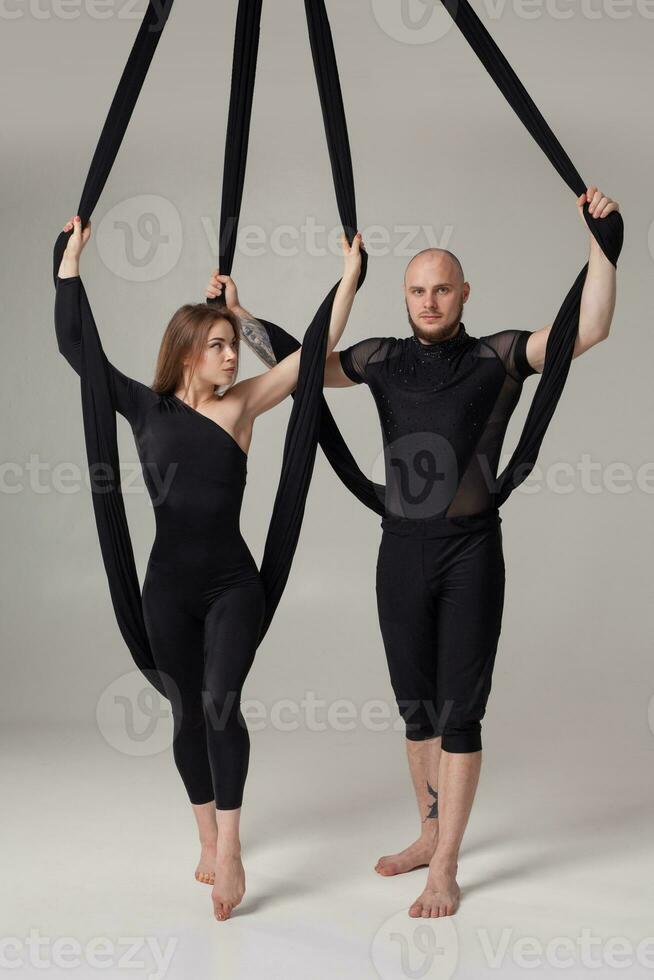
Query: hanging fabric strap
98,401
282,342
560,344
310,418
306,420
608,232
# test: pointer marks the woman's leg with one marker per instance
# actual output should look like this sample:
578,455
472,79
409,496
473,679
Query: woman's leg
232,628
177,642
205,817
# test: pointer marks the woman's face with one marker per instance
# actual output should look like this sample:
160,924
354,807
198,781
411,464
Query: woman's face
219,363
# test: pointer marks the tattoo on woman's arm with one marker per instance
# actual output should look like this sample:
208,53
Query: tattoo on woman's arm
256,337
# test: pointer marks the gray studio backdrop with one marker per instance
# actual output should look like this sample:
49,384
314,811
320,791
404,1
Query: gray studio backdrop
439,158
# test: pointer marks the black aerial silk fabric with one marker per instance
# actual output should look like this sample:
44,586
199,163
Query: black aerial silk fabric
98,406
608,232
310,417
560,344
306,416
283,343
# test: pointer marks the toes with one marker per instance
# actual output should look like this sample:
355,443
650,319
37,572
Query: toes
387,866
223,910
426,909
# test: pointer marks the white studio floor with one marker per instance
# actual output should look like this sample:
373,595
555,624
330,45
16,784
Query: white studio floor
100,849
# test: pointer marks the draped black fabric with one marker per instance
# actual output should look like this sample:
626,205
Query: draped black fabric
560,345
283,343
607,231
98,410
310,417
98,403
308,403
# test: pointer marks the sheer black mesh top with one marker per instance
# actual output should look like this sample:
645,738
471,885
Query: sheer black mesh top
444,408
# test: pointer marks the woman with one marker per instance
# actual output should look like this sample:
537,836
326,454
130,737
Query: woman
203,600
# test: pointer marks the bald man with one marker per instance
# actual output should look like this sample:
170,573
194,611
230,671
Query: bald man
444,400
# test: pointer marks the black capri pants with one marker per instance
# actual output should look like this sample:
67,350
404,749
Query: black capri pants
440,600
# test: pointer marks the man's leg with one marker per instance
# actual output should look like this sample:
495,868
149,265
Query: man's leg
408,627
458,779
470,588
424,759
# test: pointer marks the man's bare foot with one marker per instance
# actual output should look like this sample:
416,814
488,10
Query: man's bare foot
416,855
229,886
440,897
205,869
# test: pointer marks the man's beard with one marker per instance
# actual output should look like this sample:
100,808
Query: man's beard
419,331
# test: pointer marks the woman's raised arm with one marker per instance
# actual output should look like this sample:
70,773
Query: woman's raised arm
68,323
253,332
130,397
264,391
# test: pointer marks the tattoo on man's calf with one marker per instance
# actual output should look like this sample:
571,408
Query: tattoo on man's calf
433,807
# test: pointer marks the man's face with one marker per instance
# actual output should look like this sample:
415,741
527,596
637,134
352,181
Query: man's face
434,292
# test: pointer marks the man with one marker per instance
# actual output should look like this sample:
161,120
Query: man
444,400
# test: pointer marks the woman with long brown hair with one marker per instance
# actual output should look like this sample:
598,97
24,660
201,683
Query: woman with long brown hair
203,600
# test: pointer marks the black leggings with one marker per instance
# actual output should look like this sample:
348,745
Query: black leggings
440,603
204,638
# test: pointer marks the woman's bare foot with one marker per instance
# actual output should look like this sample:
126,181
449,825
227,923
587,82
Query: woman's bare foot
205,869
229,886
440,897
416,855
